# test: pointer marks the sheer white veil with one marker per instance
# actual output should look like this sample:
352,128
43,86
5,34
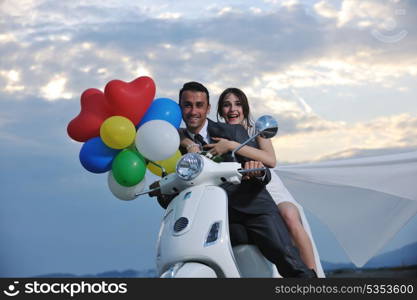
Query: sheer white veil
363,201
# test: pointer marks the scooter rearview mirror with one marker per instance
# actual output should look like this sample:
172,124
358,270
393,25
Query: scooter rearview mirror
164,172
266,126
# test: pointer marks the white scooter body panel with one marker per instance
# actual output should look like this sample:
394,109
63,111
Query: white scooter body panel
252,263
186,226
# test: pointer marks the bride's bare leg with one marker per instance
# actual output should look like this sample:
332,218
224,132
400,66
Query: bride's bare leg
292,219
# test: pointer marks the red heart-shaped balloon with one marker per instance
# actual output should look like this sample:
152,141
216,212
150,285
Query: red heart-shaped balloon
94,110
130,99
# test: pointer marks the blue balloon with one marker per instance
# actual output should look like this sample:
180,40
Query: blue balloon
163,109
96,157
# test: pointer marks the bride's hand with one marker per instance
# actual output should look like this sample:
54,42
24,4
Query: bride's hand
222,146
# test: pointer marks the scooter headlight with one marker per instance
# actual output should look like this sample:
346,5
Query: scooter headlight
190,166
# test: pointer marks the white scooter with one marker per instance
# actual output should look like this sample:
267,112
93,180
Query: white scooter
194,237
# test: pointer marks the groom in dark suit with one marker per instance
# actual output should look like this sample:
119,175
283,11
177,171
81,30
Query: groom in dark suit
251,207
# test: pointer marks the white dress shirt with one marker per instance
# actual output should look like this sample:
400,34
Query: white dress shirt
203,132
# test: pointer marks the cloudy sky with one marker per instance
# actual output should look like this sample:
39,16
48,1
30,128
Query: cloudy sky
339,76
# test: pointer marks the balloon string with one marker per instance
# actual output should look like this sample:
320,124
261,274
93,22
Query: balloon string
164,172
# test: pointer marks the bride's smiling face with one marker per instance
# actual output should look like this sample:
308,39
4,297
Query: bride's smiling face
232,110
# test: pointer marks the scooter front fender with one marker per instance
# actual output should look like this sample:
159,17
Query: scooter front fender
189,270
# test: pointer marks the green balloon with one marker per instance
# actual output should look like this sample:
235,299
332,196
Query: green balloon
133,148
129,167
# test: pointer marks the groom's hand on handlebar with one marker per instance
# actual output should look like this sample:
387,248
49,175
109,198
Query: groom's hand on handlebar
156,193
252,165
162,200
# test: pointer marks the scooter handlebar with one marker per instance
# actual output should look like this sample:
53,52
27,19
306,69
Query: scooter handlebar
147,191
158,187
243,171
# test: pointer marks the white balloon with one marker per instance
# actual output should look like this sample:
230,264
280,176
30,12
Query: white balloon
124,192
157,140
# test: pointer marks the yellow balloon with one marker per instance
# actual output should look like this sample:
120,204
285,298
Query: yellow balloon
169,164
117,132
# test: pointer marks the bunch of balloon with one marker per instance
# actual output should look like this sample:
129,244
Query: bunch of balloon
122,130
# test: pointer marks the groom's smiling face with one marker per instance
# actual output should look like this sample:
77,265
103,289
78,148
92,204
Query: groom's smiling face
195,108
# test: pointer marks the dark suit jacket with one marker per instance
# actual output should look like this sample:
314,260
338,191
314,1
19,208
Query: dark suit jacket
250,196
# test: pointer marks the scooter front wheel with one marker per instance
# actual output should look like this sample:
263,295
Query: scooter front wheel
189,270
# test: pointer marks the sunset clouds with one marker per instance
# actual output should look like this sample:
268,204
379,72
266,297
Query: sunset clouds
312,65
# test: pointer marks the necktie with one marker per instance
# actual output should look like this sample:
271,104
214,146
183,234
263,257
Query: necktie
199,139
